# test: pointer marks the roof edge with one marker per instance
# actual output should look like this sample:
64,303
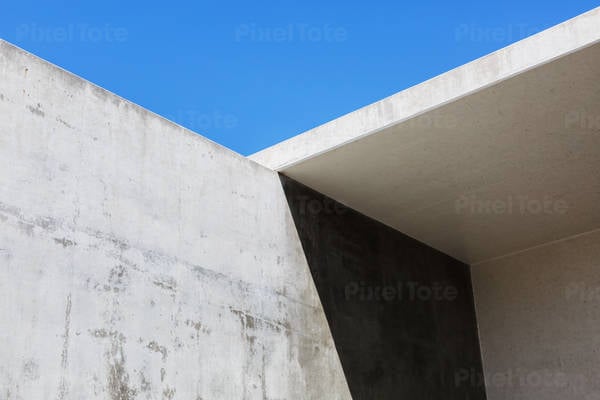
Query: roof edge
532,52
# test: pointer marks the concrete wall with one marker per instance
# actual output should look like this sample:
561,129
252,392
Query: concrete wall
401,313
539,321
141,261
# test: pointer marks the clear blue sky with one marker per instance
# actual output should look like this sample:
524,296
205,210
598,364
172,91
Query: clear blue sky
248,74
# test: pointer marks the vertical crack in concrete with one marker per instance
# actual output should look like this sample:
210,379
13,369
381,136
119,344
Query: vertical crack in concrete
64,356
65,352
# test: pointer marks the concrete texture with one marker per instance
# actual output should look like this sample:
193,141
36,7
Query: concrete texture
141,261
401,313
539,319
491,158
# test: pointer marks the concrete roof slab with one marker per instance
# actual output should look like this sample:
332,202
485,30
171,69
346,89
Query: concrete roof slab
493,157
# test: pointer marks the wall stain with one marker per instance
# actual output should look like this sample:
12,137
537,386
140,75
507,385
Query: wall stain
249,326
65,242
155,347
36,110
198,327
60,120
11,210
252,322
46,223
145,386
118,378
263,379
166,283
64,356
27,225
26,228
121,244
50,224
103,333
118,279
31,370
168,393
64,360
5,253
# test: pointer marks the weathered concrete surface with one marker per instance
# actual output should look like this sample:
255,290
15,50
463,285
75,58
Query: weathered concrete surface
141,261
401,313
539,319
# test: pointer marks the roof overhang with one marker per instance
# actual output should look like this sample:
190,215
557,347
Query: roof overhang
494,157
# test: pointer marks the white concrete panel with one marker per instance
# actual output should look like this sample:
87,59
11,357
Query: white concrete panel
139,260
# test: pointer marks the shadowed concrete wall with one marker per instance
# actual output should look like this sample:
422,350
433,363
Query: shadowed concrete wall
401,313
539,321
141,261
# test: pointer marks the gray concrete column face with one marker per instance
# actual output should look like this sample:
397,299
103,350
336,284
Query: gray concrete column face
538,314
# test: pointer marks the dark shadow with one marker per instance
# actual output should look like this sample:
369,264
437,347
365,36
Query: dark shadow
401,313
